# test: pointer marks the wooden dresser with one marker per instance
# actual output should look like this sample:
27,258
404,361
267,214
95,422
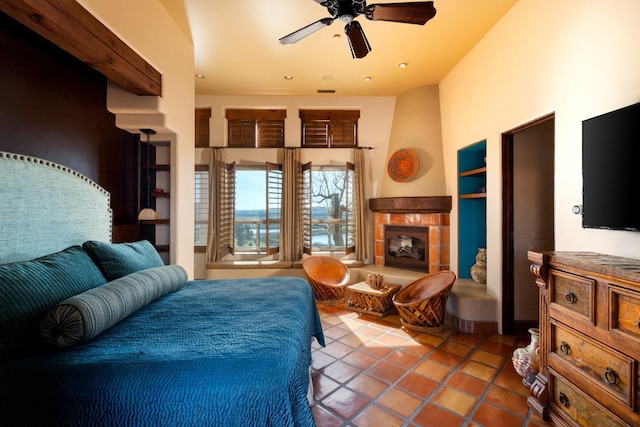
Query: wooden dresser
589,339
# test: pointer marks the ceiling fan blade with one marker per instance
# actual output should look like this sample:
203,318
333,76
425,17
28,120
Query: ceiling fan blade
357,40
409,13
305,31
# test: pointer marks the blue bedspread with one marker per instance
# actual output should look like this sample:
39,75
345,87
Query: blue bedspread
215,353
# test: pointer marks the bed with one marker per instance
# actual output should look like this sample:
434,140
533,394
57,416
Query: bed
211,352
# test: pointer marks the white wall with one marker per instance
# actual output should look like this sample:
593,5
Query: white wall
146,26
577,58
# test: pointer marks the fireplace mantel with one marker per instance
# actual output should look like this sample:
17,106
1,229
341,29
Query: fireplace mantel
433,204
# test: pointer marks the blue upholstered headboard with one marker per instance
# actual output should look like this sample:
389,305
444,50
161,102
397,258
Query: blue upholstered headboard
46,207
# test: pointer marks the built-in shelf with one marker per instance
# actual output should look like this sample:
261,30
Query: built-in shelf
473,196
155,222
158,171
474,172
472,216
164,168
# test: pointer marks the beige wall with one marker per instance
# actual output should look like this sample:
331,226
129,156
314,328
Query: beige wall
374,126
577,58
416,125
149,30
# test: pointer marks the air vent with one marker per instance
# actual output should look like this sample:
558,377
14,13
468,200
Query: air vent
326,91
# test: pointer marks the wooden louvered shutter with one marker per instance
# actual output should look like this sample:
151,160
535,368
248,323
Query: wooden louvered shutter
274,207
255,128
349,212
329,128
306,209
315,133
202,116
228,210
271,134
344,133
242,133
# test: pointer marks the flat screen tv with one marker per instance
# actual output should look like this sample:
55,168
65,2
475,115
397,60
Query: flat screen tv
611,170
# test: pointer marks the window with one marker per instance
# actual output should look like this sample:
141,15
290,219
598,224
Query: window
329,219
257,209
255,128
202,205
329,128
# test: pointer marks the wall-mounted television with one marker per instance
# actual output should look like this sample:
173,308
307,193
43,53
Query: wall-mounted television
611,170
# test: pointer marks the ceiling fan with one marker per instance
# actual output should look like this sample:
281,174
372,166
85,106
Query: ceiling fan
347,10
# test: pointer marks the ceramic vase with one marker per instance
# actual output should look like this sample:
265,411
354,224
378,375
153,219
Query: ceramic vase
479,269
525,359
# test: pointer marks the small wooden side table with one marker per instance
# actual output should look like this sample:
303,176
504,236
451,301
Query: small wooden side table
364,299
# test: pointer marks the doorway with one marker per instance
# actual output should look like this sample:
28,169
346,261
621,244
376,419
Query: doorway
528,223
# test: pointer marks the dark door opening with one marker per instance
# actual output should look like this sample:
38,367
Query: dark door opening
528,221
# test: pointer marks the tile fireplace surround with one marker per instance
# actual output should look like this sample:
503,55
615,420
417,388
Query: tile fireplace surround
430,212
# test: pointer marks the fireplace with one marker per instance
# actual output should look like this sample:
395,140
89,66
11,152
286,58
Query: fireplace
406,247
429,214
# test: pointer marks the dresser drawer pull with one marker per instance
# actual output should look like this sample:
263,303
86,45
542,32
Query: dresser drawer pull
565,348
564,400
571,298
611,376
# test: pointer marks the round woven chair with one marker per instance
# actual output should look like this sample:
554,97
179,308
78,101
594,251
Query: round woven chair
422,304
328,277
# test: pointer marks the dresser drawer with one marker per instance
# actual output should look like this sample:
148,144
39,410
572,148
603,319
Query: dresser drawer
612,370
568,399
573,293
624,309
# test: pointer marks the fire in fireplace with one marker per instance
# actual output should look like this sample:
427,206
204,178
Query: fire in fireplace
406,247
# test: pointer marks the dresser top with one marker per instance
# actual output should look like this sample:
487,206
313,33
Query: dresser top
609,265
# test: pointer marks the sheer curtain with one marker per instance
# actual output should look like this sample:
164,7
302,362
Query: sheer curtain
291,223
363,239
216,186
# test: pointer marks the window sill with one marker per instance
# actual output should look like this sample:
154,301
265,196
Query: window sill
238,265
233,265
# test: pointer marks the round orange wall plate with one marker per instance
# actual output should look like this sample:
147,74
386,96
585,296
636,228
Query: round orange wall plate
403,165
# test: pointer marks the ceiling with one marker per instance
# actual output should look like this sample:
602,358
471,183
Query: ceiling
237,49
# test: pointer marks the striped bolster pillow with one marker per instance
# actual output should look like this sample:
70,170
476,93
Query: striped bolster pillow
84,316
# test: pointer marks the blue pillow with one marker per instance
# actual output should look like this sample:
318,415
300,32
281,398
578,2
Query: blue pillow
29,289
82,317
116,260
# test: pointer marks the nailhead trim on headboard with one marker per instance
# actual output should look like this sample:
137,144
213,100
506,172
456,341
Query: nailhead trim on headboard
46,207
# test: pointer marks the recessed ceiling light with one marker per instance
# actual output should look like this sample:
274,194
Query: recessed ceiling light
288,77
336,36
402,65
200,76
366,79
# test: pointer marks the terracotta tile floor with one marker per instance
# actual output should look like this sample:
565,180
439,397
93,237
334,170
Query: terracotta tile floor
373,373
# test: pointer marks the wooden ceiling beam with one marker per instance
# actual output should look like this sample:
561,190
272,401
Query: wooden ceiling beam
71,27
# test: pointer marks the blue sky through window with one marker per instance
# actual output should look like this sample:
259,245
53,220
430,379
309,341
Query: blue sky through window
251,190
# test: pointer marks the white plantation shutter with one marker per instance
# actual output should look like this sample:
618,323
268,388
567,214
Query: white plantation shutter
306,208
274,206
227,210
350,209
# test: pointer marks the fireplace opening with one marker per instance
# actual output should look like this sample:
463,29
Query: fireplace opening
406,247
